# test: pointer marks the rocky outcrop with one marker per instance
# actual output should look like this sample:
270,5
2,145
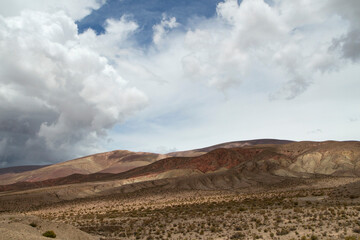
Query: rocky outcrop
328,158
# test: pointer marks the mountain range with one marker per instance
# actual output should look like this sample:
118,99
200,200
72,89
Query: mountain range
226,165
109,162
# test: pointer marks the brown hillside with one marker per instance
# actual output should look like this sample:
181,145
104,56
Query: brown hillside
109,162
236,144
300,159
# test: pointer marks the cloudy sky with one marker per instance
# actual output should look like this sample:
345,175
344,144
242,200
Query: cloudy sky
86,76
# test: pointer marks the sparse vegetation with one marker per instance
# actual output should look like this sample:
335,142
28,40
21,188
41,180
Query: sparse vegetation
278,214
49,234
282,213
33,224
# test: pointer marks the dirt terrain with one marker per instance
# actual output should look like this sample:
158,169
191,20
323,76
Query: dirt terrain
21,226
322,208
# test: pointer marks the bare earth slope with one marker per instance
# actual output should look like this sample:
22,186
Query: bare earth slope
329,158
17,227
235,144
109,162
300,159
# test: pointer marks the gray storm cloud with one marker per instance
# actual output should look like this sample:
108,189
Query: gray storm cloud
57,95
348,43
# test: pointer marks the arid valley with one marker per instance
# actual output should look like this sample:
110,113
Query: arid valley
261,189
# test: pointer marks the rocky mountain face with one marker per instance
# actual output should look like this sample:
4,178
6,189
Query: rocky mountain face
328,158
231,167
298,159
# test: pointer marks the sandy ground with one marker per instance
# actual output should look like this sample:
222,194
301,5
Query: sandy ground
18,227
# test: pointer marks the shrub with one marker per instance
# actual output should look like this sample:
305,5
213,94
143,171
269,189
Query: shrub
283,231
33,224
350,238
49,234
237,235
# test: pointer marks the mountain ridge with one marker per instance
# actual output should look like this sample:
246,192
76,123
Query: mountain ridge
116,161
272,161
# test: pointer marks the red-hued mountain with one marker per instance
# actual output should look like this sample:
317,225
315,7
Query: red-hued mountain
200,151
297,159
110,162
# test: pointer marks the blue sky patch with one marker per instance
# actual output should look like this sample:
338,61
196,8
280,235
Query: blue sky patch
148,13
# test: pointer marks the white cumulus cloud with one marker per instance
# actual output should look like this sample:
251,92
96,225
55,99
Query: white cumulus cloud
58,96
75,9
163,27
223,52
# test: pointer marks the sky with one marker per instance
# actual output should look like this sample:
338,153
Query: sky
88,76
